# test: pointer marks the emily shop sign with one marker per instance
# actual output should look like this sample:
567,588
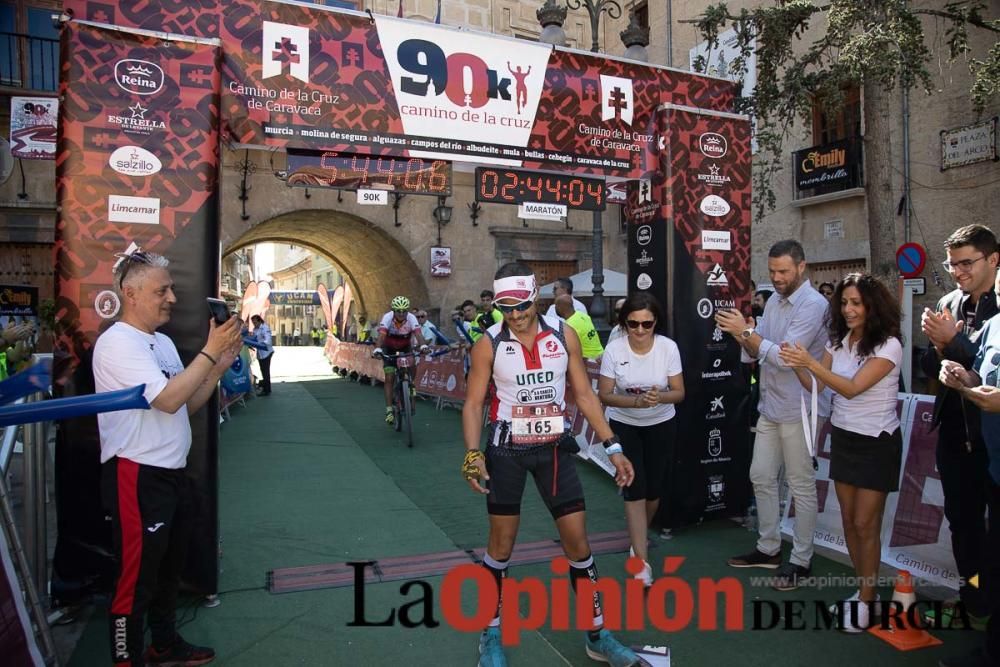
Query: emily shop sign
829,164
325,79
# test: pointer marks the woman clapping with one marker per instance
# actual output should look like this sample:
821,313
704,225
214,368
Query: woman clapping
640,381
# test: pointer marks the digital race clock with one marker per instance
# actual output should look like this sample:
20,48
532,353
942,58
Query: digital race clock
511,186
346,171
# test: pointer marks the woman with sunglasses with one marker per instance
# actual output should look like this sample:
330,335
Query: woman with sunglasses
640,382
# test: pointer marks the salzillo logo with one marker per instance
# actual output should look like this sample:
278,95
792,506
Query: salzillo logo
140,77
644,234
285,46
713,240
643,281
713,144
134,161
715,206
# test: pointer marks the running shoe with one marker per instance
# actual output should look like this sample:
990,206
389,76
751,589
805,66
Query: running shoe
390,418
490,649
179,654
610,650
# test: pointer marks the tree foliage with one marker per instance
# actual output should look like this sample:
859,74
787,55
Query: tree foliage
856,42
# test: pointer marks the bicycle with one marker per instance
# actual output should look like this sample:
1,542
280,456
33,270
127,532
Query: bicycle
404,392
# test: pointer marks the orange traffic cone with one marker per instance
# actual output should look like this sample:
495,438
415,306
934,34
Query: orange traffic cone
898,630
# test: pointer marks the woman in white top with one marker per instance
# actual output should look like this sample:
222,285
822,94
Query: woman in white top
861,365
640,382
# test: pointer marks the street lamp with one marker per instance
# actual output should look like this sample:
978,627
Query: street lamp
551,16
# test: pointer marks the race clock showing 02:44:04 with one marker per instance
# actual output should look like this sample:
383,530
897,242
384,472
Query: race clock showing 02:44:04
512,186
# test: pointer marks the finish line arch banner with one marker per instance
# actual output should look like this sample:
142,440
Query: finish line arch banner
137,166
320,78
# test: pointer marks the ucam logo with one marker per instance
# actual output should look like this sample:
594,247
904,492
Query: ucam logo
715,240
134,161
616,99
285,49
715,206
139,77
713,144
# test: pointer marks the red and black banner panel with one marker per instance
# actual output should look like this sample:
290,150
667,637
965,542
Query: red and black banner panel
193,18
312,77
137,165
689,244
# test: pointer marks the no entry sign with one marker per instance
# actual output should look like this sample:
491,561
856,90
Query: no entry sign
910,259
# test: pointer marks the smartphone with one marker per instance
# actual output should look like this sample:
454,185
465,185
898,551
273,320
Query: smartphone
218,309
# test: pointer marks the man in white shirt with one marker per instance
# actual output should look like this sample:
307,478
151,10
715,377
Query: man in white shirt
795,314
262,334
564,286
144,454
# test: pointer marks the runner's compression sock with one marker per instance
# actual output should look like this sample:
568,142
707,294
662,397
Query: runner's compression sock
587,569
498,568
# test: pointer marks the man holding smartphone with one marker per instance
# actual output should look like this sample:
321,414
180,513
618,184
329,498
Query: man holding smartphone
144,454
796,314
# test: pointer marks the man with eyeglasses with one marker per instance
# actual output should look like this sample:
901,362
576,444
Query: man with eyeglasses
144,453
529,360
954,330
430,332
396,332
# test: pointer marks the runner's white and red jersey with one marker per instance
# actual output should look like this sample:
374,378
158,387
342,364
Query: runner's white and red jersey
523,376
398,335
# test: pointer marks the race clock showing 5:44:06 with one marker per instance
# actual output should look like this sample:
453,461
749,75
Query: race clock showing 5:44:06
513,186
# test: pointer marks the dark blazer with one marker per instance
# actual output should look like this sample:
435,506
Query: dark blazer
956,420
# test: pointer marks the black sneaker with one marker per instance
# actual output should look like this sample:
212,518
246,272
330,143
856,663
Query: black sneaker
179,654
756,559
789,577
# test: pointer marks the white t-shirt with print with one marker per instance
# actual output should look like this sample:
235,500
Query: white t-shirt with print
123,358
873,411
634,374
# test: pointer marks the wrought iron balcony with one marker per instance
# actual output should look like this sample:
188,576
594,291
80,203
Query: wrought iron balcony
29,63
832,167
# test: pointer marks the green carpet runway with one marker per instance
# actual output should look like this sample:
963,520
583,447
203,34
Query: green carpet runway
311,475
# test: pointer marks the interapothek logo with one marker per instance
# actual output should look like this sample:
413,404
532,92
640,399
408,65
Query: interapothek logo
285,47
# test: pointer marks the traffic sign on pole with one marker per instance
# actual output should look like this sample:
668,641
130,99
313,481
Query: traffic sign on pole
911,259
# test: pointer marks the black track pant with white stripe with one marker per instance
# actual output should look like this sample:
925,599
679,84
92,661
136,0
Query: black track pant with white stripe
150,510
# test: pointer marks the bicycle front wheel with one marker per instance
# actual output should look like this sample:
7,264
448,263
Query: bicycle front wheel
407,415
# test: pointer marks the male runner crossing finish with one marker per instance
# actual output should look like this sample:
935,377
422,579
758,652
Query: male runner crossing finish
529,360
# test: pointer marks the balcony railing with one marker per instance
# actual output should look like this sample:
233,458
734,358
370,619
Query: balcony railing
27,62
832,167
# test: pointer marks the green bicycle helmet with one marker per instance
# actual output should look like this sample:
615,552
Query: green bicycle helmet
400,303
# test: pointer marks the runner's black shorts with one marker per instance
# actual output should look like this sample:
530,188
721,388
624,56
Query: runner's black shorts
551,466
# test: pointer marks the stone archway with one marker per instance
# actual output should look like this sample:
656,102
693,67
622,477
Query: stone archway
377,266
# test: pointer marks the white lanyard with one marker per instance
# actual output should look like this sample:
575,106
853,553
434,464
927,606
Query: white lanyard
809,422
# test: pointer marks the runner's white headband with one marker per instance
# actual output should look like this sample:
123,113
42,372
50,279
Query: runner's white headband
515,288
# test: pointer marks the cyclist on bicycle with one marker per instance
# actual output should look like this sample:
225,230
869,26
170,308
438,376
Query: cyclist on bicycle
396,332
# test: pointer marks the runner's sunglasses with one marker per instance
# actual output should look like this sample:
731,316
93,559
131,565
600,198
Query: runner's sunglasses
137,257
520,307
